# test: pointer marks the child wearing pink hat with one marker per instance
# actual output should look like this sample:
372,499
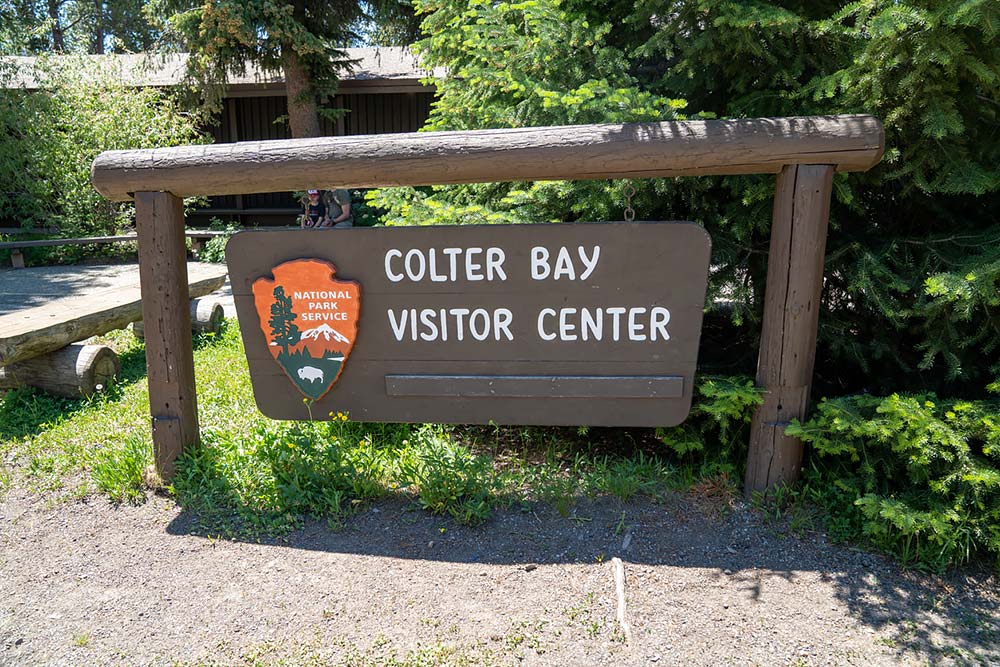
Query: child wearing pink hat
314,213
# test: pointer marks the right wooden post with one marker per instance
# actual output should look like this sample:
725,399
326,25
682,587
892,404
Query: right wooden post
791,320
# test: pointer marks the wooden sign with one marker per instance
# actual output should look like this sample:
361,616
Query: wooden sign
560,324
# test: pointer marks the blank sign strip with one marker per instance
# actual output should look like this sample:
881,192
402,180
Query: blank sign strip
536,386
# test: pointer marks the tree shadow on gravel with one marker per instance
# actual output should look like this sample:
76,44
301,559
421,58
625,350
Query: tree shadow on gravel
954,616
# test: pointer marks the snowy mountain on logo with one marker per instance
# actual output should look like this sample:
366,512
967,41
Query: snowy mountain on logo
325,332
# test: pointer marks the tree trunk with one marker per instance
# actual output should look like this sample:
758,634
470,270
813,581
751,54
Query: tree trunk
303,117
58,44
98,27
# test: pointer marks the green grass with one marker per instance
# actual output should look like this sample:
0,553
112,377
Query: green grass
255,475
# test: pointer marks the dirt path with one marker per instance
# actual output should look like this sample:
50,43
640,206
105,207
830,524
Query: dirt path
86,583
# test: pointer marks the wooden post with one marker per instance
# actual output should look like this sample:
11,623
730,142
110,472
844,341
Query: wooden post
165,311
791,319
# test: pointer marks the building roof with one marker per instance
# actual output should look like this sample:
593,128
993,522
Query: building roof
378,69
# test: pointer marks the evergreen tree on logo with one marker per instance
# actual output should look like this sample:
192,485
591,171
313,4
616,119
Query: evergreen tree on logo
284,331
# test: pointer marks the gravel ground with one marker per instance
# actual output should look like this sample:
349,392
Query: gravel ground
86,583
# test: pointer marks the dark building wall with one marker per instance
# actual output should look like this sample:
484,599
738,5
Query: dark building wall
253,119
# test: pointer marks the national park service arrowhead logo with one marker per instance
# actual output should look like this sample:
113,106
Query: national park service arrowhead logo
310,322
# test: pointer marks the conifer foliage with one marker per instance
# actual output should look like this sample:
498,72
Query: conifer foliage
913,261
303,39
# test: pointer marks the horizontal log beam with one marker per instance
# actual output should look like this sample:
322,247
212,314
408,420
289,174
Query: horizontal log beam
207,316
633,150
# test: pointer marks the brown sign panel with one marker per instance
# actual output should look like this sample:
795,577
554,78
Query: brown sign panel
560,324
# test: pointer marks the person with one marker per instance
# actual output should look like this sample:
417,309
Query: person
338,206
314,212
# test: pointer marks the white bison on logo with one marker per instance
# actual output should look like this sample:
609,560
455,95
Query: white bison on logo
311,373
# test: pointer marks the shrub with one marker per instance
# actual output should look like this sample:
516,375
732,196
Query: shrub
918,476
50,137
448,478
909,300
716,431
214,249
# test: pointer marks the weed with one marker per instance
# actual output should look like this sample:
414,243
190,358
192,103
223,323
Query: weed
584,616
556,487
914,476
716,494
448,477
788,503
81,639
620,526
118,470
5,481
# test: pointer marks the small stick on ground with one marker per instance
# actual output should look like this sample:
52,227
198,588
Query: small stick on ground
620,589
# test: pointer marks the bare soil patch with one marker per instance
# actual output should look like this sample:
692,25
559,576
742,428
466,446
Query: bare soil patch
89,583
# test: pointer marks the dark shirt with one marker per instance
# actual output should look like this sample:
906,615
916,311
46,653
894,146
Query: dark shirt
316,212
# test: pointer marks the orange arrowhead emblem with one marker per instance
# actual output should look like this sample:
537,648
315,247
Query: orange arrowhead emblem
310,321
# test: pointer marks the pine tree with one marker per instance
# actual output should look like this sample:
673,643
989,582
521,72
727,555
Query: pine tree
76,26
303,39
284,331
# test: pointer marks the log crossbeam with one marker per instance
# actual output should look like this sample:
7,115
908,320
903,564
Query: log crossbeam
578,152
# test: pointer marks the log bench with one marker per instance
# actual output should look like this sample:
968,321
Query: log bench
40,346
198,239
75,370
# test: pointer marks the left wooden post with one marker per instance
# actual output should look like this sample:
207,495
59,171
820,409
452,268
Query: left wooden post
165,312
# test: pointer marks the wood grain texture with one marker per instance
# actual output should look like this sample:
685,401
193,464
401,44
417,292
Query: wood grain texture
791,320
33,331
166,314
535,386
633,150
75,370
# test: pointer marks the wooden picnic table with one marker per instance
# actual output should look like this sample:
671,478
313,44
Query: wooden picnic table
36,331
